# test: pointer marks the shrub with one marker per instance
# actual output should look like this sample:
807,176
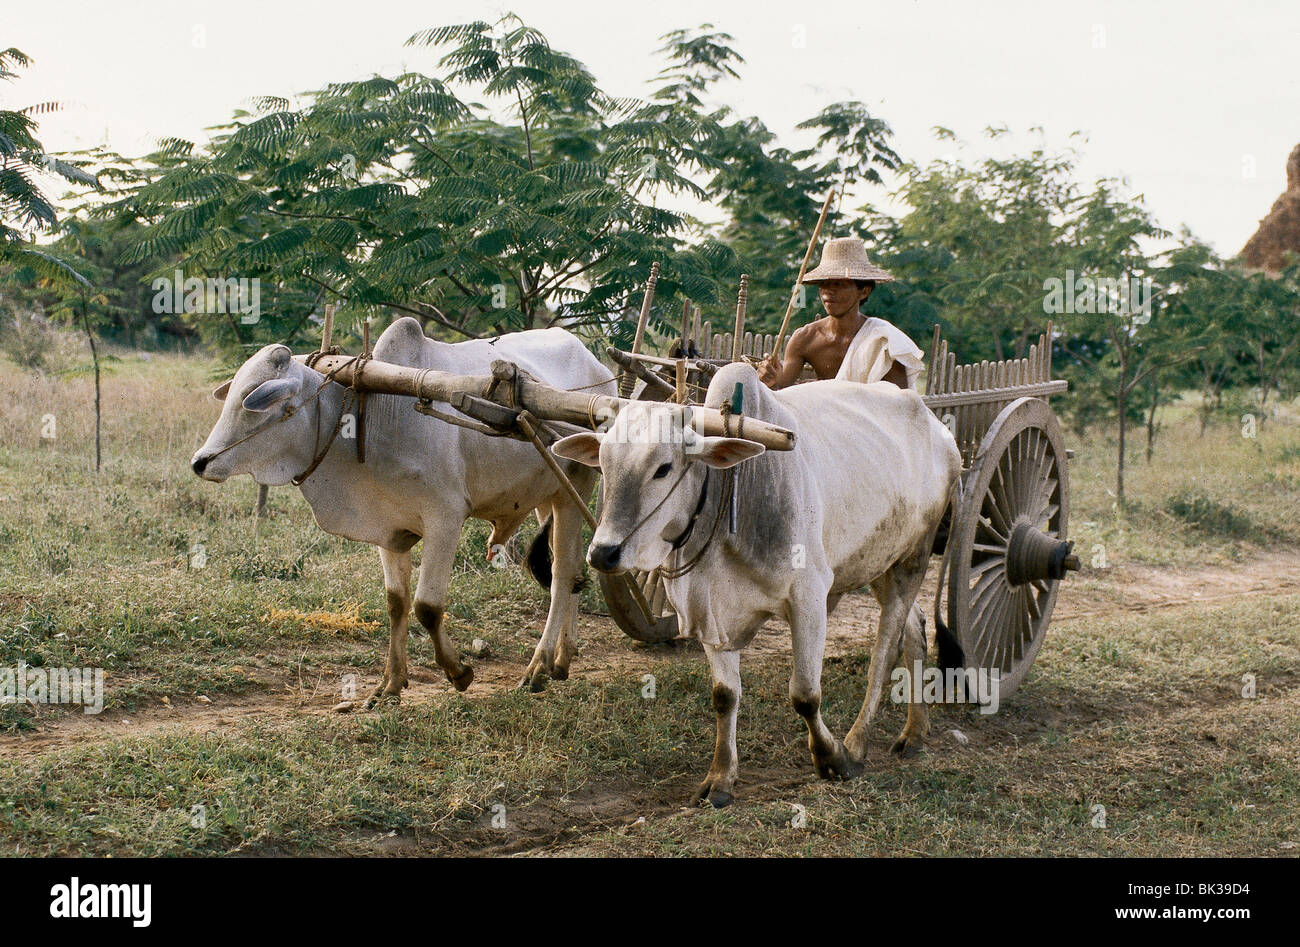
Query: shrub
1210,516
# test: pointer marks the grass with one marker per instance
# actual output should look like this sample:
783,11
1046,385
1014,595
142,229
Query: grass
171,586
1142,716
1204,498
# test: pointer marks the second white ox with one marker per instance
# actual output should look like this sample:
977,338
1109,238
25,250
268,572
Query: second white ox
422,477
858,501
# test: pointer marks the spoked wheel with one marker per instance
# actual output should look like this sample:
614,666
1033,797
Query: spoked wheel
1008,543
638,603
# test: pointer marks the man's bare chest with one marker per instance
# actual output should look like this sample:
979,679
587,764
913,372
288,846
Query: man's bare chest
825,353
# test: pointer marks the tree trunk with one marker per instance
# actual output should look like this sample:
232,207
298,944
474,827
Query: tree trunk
1151,422
1121,398
94,357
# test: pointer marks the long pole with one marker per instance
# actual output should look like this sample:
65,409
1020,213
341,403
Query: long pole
625,386
803,268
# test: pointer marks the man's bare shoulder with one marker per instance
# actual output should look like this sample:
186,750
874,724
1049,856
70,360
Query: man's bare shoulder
803,336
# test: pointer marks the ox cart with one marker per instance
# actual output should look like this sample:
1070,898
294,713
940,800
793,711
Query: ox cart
1004,542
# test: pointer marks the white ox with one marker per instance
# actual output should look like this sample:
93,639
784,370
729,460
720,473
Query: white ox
858,501
422,477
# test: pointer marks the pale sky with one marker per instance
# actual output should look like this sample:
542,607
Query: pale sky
1197,104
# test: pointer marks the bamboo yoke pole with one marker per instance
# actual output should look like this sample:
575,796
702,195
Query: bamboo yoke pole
576,407
625,386
803,268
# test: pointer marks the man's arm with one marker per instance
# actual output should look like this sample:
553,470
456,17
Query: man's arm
897,374
777,373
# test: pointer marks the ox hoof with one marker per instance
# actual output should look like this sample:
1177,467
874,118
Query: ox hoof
560,674
385,693
906,746
534,681
838,765
720,798
716,796
463,680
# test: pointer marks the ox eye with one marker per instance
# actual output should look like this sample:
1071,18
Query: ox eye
662,471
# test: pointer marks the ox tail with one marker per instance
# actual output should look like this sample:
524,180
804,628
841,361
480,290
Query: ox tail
951,655
540,559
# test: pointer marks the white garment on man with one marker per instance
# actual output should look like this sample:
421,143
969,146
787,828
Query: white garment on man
875,349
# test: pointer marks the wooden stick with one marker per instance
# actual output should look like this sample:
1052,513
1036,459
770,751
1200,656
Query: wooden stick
681,381
737,340
625,387
525,424
637,367
803,268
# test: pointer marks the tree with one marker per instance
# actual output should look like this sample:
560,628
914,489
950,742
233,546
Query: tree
396,194
25,211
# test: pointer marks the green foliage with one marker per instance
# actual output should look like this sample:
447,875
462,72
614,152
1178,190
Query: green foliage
1210,516
24,208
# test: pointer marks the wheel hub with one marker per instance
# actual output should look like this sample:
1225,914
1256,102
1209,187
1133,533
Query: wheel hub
1033,554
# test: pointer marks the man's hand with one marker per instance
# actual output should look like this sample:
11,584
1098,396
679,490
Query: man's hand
778,372
770,370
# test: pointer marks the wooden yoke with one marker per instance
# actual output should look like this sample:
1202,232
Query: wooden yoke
516,389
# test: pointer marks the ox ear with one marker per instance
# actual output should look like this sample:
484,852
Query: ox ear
270,393
723,452
221,391
584,448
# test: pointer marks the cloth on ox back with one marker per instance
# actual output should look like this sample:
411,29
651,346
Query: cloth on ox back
869,476
874,350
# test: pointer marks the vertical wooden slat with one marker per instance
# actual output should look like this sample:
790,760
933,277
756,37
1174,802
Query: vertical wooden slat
737,337
1035,364
931,366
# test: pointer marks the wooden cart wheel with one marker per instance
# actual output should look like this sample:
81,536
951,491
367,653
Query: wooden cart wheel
659,623
1008,542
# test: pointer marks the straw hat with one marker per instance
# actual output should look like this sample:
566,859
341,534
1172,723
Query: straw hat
846,258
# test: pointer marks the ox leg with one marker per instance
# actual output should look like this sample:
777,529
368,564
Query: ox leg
917,727
808,635
397,585
900,630
430,604
558,645
719,784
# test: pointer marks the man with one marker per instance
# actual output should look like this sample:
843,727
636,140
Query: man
846,344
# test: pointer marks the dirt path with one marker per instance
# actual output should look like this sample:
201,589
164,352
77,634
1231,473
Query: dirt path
606,652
